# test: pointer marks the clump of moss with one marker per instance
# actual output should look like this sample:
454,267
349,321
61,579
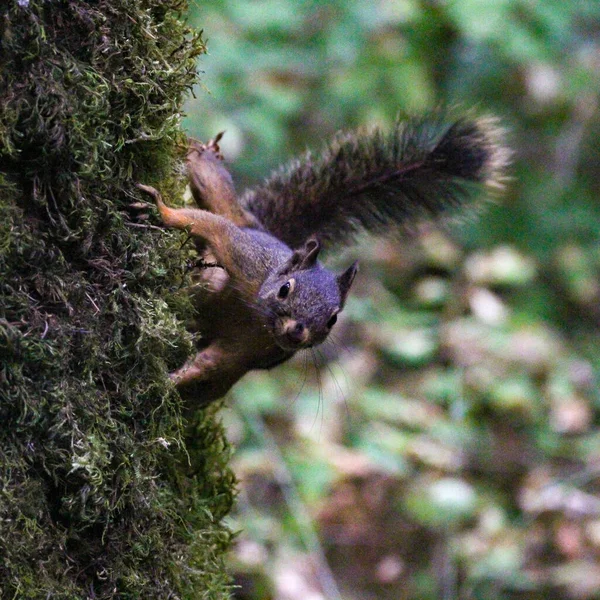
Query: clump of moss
99,496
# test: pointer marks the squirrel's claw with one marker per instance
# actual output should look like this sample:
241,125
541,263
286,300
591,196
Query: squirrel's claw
142,209
214,143
149,190
139,209
139,205
211,146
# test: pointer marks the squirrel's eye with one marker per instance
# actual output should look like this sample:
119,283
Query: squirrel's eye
284,290
331,322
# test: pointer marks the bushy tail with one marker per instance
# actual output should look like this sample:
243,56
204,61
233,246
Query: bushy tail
377,180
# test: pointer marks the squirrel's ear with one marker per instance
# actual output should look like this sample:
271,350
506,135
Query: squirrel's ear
310,253
305,257
345,280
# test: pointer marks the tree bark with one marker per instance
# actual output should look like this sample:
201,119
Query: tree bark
103,494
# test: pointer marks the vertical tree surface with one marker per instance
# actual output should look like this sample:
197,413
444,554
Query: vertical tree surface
101,494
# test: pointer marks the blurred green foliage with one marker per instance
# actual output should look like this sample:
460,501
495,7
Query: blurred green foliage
447,445
286,75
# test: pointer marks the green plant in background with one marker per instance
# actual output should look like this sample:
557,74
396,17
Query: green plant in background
286,75
103,494
448,446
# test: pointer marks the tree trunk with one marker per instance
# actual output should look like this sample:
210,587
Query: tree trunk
102,495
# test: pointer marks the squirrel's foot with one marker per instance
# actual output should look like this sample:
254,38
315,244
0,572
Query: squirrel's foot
140,210
149,190
209,375
212,146
197,369
200,368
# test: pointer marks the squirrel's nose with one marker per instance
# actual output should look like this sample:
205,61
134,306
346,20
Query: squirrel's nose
296,332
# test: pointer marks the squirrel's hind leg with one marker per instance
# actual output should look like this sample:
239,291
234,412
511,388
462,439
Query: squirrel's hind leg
211,184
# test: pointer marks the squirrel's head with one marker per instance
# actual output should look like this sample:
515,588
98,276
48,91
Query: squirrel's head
302,299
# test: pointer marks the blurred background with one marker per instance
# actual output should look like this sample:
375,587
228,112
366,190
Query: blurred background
445,443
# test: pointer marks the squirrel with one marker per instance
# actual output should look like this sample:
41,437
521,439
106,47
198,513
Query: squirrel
266,295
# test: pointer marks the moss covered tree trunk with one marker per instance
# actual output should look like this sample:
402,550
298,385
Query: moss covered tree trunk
101,495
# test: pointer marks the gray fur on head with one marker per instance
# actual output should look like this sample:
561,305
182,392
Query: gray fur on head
302,298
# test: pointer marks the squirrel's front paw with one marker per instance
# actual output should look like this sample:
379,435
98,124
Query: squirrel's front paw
140,211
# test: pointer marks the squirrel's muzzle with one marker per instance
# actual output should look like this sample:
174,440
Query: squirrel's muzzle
293,334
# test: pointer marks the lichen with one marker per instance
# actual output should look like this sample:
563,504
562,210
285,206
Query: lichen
103,491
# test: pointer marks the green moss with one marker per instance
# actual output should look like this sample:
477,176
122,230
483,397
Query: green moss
99,496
